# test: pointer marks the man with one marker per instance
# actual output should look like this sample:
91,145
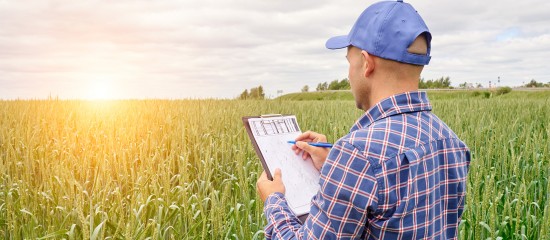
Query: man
400,173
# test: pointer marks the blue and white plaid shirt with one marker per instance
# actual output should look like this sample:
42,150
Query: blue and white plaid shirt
399,174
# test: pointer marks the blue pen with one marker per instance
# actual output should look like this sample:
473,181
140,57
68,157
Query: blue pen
316,144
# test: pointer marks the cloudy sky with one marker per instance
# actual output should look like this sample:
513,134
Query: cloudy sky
217,48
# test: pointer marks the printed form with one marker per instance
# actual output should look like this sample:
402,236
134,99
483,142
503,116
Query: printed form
300,177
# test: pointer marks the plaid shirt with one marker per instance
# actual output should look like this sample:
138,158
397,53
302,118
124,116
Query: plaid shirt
399,174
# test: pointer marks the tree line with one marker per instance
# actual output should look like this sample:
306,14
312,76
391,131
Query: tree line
333,85
534,84
254,93
343,84
440,83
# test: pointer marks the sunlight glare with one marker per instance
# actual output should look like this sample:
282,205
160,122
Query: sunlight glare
100,88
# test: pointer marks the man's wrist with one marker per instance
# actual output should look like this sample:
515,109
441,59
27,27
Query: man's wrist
273,198
275,202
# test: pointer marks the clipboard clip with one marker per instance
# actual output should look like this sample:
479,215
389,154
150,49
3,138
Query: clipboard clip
266,116
270,115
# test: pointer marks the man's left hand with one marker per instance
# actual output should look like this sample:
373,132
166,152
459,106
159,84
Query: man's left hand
266,187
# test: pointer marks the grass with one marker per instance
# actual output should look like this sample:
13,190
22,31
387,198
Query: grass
155,169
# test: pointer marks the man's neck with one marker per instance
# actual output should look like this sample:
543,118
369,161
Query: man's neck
385,88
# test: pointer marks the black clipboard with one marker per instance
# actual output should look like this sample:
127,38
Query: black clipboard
245,119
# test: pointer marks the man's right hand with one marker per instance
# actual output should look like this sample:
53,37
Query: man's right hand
317,154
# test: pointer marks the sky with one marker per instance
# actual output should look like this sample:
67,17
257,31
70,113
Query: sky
217,48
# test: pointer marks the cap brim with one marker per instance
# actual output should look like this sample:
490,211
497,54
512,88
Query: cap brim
338,42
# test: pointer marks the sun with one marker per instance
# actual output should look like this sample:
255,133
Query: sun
100,88
100,91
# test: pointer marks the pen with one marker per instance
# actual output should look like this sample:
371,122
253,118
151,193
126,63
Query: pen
315,144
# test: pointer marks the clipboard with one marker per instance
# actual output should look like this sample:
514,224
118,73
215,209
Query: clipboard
269,135
255,144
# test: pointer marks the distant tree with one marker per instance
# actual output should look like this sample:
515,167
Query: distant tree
244,95
463,85
261,93
441,83
337,84
322,86
344,84
422,83
479,85
534,84
257,93
334,85
254,93
305,88
446,82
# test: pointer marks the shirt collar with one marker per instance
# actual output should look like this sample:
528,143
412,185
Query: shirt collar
393,105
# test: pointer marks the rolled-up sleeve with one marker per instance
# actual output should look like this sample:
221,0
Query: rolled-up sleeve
348,191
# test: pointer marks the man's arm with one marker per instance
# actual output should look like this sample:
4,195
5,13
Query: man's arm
339,210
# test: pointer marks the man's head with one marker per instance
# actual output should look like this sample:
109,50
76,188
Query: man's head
387,49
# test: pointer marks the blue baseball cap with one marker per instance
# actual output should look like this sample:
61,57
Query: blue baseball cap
387,29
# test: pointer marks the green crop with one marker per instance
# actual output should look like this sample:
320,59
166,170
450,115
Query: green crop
185,169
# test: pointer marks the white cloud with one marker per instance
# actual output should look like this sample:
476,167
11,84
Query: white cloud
191,48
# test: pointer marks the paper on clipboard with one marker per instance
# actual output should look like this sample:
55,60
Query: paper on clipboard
269,136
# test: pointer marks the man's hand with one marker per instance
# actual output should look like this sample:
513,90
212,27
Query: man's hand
317,154
266,187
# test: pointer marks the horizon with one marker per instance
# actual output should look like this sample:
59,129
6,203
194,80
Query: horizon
468,89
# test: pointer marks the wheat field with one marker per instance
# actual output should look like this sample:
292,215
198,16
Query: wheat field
185,169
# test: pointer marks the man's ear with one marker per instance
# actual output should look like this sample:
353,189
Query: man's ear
368,63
